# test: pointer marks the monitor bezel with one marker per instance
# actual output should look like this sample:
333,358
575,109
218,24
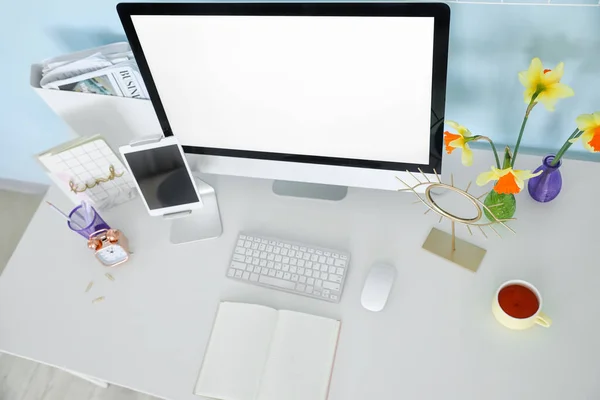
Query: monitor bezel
439,11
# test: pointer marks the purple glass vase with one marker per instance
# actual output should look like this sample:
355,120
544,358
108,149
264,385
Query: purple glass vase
547,185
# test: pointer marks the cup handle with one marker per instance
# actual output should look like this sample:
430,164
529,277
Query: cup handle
543,320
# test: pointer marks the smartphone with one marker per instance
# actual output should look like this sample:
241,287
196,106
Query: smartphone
162,176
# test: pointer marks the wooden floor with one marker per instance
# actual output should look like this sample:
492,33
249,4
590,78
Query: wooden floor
26,380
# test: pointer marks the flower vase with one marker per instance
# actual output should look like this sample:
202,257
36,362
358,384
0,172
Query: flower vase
546,186
503,206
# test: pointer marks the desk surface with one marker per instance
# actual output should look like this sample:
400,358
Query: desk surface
436,338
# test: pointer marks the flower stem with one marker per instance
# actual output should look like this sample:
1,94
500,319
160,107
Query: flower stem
487,139
576,133
532,103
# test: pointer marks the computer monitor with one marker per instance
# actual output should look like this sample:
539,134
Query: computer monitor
348,94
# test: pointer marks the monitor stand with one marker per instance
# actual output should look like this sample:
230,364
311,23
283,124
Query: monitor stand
310,190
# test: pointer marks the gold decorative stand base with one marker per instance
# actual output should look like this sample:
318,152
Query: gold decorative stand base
453,249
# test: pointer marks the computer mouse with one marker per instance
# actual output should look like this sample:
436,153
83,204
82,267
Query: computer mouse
377,286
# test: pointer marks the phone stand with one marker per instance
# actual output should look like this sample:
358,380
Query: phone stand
193,225
201,223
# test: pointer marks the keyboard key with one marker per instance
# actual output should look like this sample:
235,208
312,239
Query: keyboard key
263,254
335,278
248,260
295,278
255,261
287,246
256,253
309,289
332,286
318,283
324,275
270,264
339,271
242,236
279,244
285,268
333,297
301,263
287,276
279,274
334,255
253,277
319,252
239,257
270,256
332,269
278,258
277,282
294,247
286,260
314,257
330,261
231,272
308,264
246,275
311,250
272,273
302,279
263,263
277,250
240,250
324,268
249,238
278,266
308,272
249,252
310,281
327,254
325,293
306,256
264,270
300,287
238,273
293,269
257,270
247,244
343,257
255,246
249,267
269,249
262,247
316,266
301,270
299,254
257,240
241,243
238,265
292,253
294,261
340,263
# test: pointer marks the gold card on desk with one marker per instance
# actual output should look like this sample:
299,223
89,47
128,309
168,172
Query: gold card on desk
87,169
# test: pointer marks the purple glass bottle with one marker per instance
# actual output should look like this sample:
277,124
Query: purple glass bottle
547,185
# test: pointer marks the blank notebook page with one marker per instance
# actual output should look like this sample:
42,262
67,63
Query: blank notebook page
301,358
237,352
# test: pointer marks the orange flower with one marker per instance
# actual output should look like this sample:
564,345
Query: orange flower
590,125
459,140
508,180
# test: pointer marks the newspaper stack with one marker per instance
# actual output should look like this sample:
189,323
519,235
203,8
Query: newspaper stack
109,70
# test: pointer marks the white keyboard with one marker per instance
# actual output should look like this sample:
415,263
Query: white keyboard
292,267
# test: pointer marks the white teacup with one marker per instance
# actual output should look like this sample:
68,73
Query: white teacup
537,317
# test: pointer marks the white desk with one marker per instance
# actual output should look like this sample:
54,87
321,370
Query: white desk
436,339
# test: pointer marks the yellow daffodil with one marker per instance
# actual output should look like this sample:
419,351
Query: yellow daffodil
544,82
509,181
459,140
590,125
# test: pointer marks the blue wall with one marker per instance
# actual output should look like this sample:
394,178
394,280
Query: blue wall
488,46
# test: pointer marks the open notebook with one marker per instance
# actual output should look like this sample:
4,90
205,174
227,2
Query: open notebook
258,353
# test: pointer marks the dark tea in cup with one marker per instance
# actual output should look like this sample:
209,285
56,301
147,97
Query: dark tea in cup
518,301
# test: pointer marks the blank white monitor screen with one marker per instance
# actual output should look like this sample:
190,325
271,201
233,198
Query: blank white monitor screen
347,87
